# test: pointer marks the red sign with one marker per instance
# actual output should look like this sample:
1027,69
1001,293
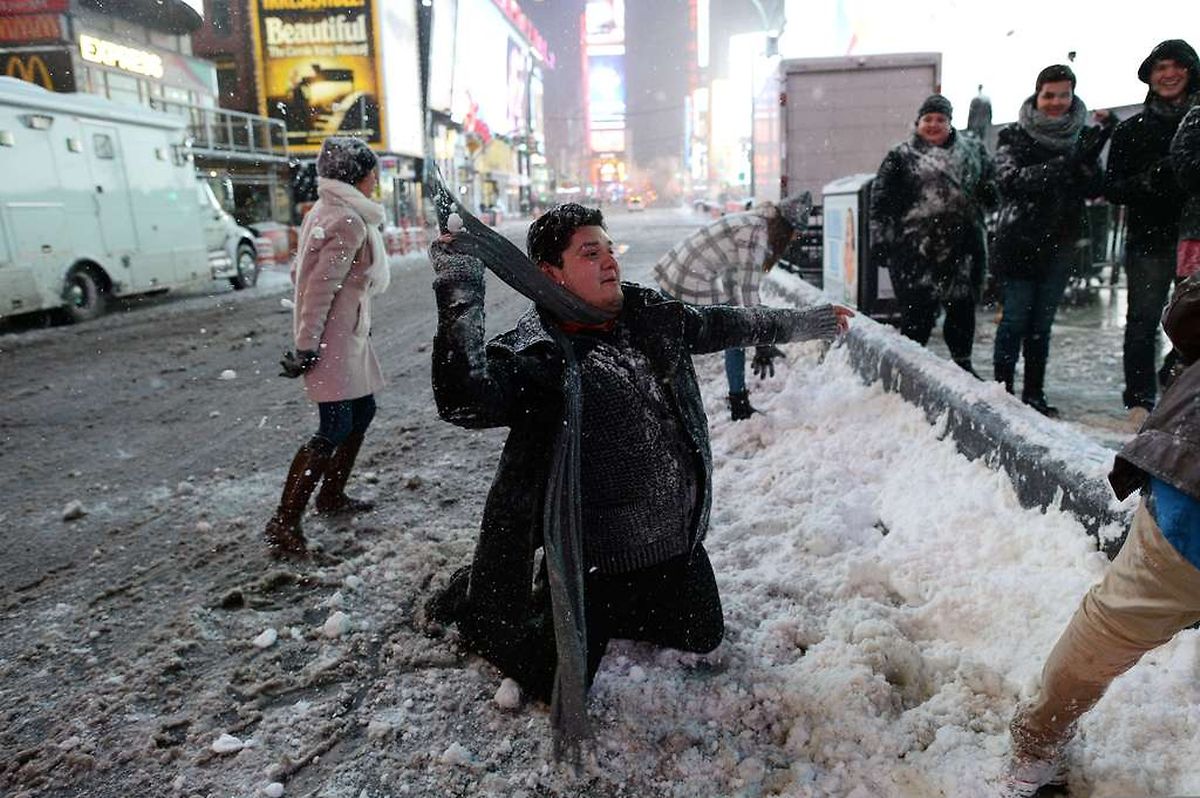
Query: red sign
512,10
12,7
30,28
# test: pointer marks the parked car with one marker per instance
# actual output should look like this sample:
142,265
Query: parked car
635,203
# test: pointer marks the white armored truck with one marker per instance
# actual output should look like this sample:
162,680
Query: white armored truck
99,200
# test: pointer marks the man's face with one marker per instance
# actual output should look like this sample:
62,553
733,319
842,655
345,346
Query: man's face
934,128
1169,79
1055,98
590,269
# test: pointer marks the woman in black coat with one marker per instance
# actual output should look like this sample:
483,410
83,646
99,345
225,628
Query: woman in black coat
927,206
1047,164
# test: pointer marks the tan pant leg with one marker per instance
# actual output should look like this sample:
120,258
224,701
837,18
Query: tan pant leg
1149,593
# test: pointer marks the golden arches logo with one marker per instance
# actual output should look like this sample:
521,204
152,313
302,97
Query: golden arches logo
33,70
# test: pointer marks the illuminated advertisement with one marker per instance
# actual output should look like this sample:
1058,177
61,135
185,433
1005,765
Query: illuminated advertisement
319,70
441,55
491,86
402,99
604,44
30,28
50,69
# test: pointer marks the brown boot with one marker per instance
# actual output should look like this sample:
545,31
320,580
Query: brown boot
332,498
285,538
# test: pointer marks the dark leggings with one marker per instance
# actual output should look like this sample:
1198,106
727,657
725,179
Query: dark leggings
919,308
340,420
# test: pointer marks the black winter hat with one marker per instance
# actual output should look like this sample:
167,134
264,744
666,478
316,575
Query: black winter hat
345,158
936,104
1177,50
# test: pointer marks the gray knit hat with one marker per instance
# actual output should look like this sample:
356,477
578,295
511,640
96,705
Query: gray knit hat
345,158
936,104
795,209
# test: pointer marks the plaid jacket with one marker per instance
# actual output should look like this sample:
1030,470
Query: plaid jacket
720,264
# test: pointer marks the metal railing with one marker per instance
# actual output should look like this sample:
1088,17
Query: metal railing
219,132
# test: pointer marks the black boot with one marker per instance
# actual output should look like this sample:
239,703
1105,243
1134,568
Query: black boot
285,538
332,497
1005,375
964,363
739,406
1032,393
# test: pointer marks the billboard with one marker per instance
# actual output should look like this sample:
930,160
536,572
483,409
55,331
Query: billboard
402,95
319,68
604,45
492,85
441,55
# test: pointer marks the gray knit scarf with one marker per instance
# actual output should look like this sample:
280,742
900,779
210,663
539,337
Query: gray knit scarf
1058,133
561,521
1171,112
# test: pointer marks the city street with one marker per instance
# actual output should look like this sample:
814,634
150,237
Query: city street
127,633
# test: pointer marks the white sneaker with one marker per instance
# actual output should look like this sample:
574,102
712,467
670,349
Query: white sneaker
1024,777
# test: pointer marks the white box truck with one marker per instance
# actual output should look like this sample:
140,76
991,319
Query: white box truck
101,200
820,119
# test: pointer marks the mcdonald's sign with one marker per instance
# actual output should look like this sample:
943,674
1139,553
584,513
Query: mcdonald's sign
50,69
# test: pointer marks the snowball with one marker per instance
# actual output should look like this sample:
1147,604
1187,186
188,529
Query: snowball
185,488
266,638
273,790
337,624
228,374
379,730
227,744
454,223
508,696
287,303
457,755
318,232
73,510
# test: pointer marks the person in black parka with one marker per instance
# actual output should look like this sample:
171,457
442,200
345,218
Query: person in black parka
927,206
1140,177
1047,163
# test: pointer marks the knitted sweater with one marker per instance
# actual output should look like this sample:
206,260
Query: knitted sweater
639,476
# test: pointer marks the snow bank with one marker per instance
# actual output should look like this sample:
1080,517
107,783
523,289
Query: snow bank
1049,462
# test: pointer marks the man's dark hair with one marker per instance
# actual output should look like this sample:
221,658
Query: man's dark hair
1053,74
551,232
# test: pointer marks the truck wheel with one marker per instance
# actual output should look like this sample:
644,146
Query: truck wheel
247,268
83,298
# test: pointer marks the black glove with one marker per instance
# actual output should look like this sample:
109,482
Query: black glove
296,363
1091,142
763,364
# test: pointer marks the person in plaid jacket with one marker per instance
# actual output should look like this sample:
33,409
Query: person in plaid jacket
723,263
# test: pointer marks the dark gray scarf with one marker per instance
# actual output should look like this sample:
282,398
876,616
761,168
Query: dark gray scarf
1057,133
561,521
1173,113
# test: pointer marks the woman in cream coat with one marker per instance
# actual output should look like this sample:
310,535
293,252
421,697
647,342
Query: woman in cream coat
340,264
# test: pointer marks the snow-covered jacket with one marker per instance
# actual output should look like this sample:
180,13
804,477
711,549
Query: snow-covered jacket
1185,158
332,313
1168,445
927,208
516,381
722,263
1042,205
1140,177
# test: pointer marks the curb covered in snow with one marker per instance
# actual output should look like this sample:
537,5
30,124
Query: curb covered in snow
1048,463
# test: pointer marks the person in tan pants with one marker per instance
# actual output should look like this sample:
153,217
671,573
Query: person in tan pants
1152,589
